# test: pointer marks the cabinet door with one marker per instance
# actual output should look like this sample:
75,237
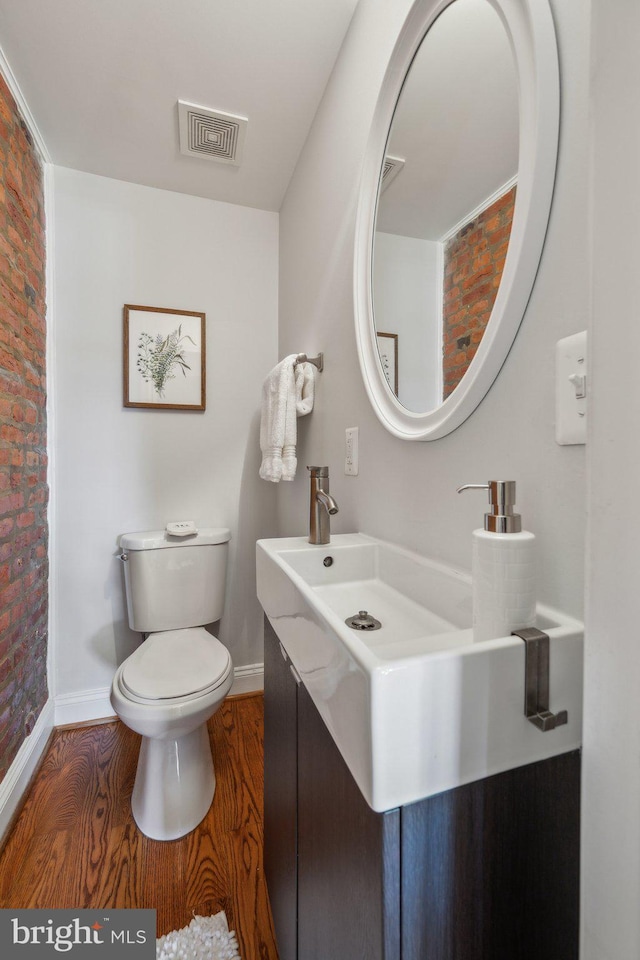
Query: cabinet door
348,856
490,870
280,792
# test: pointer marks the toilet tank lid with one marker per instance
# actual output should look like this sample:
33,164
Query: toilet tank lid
159,539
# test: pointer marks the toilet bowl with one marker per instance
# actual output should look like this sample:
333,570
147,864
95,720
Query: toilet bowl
175,779
176,679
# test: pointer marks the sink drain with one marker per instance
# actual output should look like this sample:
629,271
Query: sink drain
363,621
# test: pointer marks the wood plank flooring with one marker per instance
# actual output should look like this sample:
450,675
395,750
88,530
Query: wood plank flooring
75,843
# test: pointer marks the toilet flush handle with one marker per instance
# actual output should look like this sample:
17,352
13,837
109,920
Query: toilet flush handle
124,557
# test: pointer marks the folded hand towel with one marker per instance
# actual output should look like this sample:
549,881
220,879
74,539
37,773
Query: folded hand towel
305,376
287,393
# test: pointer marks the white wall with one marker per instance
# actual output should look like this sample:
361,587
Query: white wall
407,298
406,491
611,754
120,469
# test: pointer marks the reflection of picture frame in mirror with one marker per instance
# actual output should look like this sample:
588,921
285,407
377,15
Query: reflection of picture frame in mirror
388,350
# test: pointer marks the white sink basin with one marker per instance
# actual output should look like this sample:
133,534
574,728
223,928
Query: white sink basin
415,707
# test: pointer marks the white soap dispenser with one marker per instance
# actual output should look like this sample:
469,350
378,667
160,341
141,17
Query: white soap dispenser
503,566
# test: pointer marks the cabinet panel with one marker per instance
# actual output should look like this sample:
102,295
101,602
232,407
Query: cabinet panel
280,793
348,856
490,870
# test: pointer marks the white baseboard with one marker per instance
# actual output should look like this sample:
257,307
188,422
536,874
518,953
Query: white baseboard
18,776
248,679
83,706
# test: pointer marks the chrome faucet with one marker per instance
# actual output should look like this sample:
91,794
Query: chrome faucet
321,505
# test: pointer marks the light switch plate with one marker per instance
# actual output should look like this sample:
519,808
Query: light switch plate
571,389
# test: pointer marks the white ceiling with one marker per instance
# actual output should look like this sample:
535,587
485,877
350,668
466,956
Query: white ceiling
102,79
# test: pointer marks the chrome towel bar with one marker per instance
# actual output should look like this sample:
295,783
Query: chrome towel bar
316,361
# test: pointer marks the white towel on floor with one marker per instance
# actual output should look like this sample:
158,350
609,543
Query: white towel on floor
287,393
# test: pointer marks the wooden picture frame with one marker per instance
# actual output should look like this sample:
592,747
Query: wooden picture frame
164,358
388,350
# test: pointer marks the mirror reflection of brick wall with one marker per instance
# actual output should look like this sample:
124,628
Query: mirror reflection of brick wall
23,434
473,264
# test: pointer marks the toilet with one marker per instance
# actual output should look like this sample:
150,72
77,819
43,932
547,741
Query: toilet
177,678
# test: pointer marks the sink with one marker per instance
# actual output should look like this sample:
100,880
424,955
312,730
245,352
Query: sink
415,707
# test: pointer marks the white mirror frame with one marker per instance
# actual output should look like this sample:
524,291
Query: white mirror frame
529,26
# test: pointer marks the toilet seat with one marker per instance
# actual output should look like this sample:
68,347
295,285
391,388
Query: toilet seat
175,665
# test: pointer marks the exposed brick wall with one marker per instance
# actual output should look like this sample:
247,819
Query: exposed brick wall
23,456
473,264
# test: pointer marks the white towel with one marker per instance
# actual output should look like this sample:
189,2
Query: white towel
287,393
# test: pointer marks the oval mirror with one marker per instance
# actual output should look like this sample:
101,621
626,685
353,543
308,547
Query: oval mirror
454,204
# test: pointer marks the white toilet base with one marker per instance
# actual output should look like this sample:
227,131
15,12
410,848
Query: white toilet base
174,786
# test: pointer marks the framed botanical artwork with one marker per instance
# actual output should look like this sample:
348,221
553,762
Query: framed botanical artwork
388,350
164,358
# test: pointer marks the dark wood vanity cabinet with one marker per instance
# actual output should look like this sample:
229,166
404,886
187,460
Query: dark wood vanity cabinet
487,871
281,793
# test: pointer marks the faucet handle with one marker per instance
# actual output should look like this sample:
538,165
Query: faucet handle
318,472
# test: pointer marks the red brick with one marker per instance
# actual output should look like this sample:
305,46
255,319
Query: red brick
23,479
11,503
6,111
9,362
12,299
17,195
480,307
32,376
36,260
11,434
481,246
39,496
9,593
15,239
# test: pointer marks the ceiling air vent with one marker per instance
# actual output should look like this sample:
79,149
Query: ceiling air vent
390,169
211,133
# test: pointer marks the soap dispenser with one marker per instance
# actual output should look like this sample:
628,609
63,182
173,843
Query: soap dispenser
503,566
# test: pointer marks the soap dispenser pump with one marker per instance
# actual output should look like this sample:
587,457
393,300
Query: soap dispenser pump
503,566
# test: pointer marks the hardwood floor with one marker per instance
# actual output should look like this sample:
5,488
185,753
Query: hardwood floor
75,843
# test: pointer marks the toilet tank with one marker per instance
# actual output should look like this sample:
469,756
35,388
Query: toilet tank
174,582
